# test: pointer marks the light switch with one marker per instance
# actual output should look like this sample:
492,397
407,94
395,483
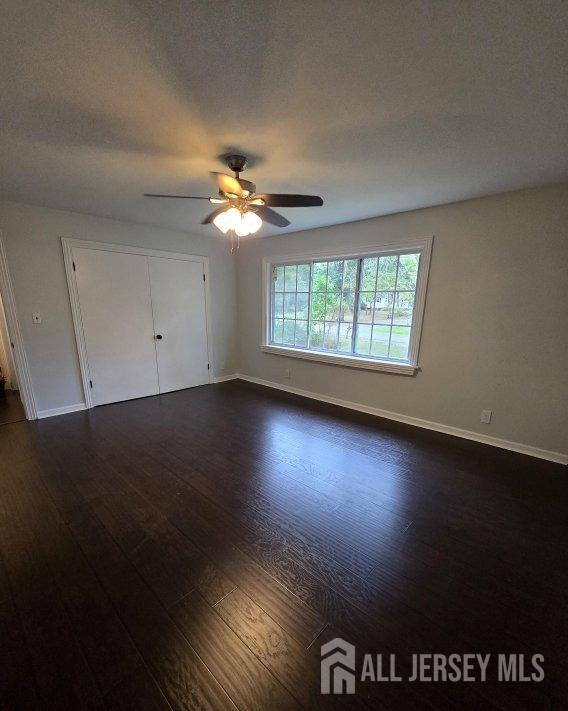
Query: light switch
36,318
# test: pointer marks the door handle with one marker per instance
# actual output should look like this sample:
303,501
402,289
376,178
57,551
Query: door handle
159,337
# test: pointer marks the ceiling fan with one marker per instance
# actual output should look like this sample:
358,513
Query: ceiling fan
241,209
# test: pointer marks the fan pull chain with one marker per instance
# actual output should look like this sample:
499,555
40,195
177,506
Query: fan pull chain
235,242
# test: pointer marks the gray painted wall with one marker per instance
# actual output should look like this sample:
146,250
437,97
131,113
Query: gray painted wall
35,259
495,333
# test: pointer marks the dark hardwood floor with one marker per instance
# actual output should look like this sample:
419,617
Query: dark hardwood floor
11,408
195,550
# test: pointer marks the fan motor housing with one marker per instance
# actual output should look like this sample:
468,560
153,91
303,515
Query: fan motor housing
237,163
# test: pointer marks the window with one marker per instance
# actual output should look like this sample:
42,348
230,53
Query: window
362,309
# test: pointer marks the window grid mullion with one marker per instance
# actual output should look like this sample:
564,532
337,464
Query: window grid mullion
296,305
356,304
274,273
340,301
325,307
310,307
373,312
393,303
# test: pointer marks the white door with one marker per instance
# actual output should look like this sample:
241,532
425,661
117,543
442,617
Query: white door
116,311
178,303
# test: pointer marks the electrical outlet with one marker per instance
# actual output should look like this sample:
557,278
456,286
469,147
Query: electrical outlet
36,318
486,416
287,373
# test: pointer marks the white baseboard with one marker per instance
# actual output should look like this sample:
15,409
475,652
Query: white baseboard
61,410
224,378
558,457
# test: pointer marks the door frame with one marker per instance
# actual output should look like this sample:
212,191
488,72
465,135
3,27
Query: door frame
15,337
68,243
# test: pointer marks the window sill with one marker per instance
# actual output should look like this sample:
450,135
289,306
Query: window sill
344,360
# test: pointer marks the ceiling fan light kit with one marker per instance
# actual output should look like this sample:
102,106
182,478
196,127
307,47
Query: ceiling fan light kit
243,223
241,210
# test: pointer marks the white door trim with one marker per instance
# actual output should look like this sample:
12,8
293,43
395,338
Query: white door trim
67,244
15,334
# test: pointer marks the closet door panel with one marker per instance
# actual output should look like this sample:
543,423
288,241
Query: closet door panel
116,311
178,303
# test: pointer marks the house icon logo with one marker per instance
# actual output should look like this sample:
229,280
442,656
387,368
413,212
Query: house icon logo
338,667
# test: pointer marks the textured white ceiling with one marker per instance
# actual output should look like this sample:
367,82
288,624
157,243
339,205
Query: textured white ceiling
376,106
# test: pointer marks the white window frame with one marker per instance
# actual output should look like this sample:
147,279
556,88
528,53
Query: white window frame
410,367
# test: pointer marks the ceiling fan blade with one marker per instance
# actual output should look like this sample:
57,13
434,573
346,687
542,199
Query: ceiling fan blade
247,187
275,218
212,215
275,200
228,184
183,197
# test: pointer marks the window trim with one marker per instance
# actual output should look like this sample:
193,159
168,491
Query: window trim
410,367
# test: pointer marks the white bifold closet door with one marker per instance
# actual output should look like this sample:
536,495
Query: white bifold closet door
116,312
178,304
144,323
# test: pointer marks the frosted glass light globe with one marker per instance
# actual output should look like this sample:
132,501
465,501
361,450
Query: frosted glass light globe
252,221
228,220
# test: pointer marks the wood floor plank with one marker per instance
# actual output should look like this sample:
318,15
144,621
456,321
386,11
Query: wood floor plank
297,667
214,532
137,692
169,563
253,687
106,643
181,675
63,676
18,687
183,678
